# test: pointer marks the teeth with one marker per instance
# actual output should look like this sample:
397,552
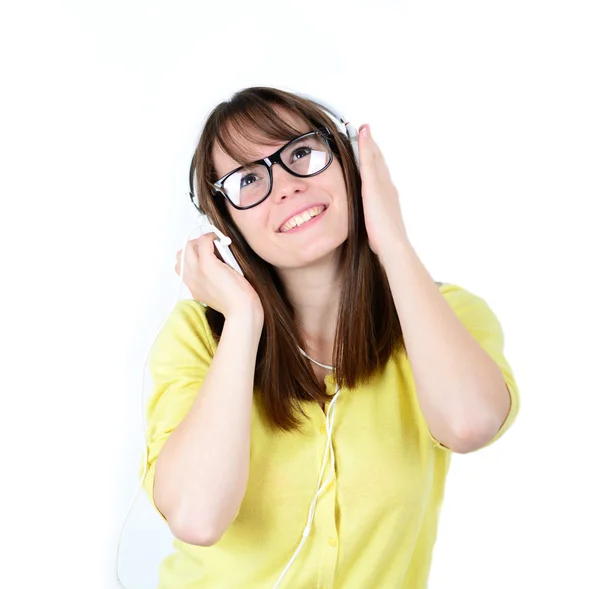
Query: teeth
302,218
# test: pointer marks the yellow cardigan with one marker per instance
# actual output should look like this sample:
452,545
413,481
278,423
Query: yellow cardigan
376,524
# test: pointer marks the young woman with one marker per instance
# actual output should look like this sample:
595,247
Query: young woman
301,424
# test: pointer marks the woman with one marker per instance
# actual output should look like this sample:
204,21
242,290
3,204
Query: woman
335,314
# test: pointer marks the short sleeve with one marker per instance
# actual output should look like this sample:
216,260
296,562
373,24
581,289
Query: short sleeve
484,326
178,363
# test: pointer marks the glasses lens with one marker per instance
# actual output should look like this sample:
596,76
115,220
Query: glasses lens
248,185
306,156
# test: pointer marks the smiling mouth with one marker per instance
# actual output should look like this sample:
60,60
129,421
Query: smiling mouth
302,219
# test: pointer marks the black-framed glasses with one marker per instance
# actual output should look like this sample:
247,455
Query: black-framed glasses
249,185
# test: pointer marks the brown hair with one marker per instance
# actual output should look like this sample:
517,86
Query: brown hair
368,329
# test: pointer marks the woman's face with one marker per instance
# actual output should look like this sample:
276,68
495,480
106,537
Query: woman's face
264,226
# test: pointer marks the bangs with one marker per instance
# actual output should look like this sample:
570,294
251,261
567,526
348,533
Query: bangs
256,124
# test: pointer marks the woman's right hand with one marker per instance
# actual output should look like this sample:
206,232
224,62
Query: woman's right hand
214,282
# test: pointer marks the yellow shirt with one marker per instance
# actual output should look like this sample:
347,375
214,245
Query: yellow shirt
376,524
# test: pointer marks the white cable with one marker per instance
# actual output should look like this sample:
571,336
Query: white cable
328,450
329,426
144,425
323,365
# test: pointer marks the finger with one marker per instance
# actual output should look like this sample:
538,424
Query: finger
197,240
368,143
205,246
366,154
371,155
207,238
194,245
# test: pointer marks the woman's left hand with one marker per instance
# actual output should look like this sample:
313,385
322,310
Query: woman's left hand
381,203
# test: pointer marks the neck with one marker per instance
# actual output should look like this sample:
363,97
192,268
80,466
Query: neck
314,292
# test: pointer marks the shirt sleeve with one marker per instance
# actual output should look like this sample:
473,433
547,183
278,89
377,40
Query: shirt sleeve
178,363
484,326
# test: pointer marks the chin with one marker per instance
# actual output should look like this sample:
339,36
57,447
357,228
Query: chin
314,254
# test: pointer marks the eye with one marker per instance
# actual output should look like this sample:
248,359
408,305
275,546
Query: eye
243,180
301,150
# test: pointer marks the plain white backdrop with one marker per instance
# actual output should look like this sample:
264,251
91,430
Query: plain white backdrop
487,114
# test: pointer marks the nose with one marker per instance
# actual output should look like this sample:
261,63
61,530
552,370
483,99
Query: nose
285,184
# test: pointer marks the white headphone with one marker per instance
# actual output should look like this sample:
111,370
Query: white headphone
205,226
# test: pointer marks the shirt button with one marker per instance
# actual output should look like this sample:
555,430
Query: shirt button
329,486
323,429
332,541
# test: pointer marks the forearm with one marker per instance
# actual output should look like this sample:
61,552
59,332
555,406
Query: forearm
461,390
202,470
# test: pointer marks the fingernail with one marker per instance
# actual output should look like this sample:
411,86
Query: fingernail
365,131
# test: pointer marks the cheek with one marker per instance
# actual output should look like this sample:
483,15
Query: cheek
253,227
342,204
343,222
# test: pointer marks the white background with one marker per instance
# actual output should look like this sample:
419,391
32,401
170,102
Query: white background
488,116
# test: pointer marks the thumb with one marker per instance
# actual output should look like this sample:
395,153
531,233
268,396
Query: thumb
205,243
365,151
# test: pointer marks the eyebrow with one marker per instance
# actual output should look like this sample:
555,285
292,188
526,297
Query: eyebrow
252,161
245,163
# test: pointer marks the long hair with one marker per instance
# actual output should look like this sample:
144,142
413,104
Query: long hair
368,330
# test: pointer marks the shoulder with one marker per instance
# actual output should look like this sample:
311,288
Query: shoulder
472,309
190,311
186,327
459,295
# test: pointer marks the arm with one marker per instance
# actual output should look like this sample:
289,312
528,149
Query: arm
461,390
202,469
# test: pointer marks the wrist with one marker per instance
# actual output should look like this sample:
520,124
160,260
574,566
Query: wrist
248,313
393,248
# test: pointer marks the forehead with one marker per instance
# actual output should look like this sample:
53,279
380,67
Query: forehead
256,148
